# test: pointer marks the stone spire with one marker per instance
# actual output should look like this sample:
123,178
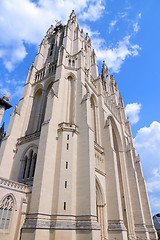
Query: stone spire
105,74
72,16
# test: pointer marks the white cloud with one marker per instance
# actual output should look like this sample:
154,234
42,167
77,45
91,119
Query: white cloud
17,91
153,183
147,142
16,54
118,18
11,87
87,29
94,11
155,203
132,111
26,22
148,138
5,91
112,25
115,56
136,26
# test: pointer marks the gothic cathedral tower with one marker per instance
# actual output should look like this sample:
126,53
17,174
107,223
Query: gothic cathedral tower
68,165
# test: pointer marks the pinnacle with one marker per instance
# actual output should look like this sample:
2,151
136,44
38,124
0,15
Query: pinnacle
72,15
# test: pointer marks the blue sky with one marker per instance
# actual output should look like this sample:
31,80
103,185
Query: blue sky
124,33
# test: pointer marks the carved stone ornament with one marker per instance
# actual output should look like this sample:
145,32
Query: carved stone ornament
7,203
50,32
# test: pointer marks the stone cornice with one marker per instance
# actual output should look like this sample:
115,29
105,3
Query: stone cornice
28,138
12,185
67,127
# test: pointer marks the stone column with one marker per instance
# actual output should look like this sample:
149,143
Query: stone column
140,228
116,228
127,198
145,203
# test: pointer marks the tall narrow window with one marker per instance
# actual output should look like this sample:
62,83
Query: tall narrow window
65,184
73,63
67,146
71,98
25,166
93,118
28,166
45,101
35,117
65,205
6,208
69,62
66,165
67,136
29,163
33,165
51,50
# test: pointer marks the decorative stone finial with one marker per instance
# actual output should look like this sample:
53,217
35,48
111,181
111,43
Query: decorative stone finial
73,16
104,68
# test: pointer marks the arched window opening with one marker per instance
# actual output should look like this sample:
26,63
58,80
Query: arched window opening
45,101
25,166
6,209
29,163
34,160
93,118
28,167
69,62
35,117
51,50
73,63
71,100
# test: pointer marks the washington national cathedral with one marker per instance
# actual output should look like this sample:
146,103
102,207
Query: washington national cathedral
68,167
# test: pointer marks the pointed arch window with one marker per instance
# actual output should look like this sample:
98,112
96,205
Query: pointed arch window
71,99
93,118
46,92
6,210
71,63
28,167
52,47
35,117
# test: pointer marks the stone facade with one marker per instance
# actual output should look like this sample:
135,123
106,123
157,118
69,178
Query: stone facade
68,165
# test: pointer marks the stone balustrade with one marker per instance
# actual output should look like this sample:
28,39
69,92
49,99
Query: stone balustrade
14,185
45,71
